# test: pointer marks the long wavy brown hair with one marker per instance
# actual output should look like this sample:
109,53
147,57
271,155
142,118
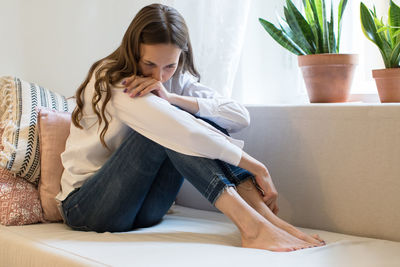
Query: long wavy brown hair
153,24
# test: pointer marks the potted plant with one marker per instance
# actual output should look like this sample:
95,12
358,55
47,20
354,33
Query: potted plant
316,40
386,37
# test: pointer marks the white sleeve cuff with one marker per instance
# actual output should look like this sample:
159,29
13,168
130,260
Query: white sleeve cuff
233,155
207,107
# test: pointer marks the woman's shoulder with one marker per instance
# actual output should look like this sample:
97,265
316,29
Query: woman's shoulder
182,80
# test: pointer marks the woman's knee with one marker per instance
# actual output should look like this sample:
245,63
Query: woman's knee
147,219
135,138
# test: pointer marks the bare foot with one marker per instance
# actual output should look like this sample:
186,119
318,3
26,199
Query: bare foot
316,236
252,196
271,237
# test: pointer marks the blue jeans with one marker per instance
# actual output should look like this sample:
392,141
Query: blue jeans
138,184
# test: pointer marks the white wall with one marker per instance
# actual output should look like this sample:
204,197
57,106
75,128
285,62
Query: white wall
54,42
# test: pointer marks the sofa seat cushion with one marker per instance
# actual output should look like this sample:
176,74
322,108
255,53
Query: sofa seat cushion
186,237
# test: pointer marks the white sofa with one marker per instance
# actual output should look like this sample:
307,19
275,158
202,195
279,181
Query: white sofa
336,167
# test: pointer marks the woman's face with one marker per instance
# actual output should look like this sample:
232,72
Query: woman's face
159,61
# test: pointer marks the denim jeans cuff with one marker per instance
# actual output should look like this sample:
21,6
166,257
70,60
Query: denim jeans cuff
216,188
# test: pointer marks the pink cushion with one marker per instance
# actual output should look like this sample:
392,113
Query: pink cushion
19,201
53,132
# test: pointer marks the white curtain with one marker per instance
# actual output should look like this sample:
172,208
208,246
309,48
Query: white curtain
268,73
217,30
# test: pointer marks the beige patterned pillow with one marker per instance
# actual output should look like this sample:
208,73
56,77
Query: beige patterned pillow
19,101
19,201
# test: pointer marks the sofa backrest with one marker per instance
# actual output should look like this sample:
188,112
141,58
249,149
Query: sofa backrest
336,166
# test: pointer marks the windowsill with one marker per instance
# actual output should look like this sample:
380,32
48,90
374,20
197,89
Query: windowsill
302,100
324,111
365,98
327,105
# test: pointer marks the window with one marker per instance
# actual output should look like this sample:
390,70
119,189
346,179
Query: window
263,72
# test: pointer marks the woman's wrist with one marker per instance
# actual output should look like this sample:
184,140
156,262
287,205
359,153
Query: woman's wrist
187,103
249,163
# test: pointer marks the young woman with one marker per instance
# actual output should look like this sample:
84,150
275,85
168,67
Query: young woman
142,123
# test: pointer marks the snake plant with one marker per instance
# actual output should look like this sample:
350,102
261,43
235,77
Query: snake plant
385,36
312,33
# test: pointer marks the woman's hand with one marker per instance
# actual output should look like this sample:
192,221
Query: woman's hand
263,180
136,86
269,194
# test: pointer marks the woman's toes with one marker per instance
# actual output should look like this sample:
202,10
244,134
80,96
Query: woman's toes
304,246
284,249
316,236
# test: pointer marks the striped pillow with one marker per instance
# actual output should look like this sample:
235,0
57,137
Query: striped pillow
19,101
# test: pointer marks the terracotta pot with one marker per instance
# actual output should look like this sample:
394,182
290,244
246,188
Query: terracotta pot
328,77
388,84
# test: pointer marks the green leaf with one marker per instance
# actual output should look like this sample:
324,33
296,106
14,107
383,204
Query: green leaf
286,29
311,22
301,25
383,34
318,11
394,20
397,33
298,36
309,12
381,29
395,57
378,22
332,41
316,28
368,26
280,37
394,15
325,29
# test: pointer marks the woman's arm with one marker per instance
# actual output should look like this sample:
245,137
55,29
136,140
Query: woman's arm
187,103
227,113
173,128
183,91
154,117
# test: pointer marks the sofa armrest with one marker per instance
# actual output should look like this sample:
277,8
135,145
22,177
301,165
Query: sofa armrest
335,166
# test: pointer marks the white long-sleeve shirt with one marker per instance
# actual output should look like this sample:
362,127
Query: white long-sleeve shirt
158,120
